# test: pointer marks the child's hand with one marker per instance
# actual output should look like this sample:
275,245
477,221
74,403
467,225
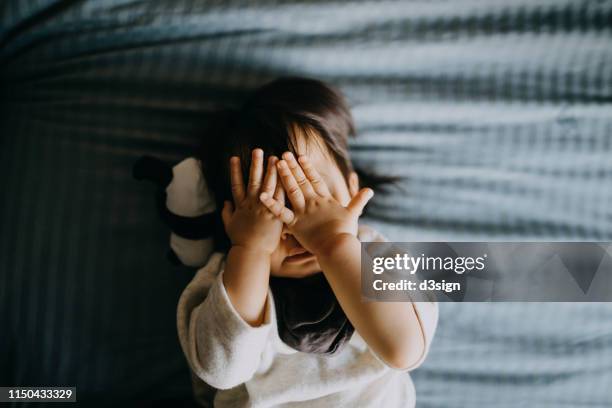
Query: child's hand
318,220
250,225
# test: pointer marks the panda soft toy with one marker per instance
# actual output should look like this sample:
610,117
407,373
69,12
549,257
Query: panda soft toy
185,205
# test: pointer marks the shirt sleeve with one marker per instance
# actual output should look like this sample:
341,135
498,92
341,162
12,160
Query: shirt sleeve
222,349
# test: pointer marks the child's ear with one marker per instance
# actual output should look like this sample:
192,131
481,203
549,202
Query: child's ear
353,184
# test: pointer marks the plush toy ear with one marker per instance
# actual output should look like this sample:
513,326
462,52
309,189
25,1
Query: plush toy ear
185,205
152,169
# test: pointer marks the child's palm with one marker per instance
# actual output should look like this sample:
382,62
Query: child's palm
322,219
317,217
252,227
250,224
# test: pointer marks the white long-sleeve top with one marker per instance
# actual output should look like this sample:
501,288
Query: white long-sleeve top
251,366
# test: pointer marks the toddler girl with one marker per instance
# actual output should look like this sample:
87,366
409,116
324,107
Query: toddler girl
276,317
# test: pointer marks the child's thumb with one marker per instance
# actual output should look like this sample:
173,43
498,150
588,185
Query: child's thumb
226,213
360,200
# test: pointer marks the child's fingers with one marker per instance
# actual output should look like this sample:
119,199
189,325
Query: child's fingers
226,213
279,194
269,183
313,175
353,184
276,208
292,189
360,200
236,179
299,175
256,172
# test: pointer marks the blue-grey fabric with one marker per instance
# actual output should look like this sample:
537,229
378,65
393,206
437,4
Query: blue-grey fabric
497,113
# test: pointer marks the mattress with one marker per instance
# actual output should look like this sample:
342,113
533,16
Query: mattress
497,114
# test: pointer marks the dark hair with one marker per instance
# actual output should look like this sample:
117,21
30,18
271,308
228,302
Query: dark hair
265,120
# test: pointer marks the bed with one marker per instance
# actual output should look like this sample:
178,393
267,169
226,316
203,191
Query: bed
498,115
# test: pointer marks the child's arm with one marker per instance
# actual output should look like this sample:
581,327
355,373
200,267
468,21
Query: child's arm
327,229
391,329
254,232
224,326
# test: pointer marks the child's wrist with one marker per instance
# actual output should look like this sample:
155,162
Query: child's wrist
335,245
252,249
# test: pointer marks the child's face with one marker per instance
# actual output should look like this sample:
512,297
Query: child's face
290,259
